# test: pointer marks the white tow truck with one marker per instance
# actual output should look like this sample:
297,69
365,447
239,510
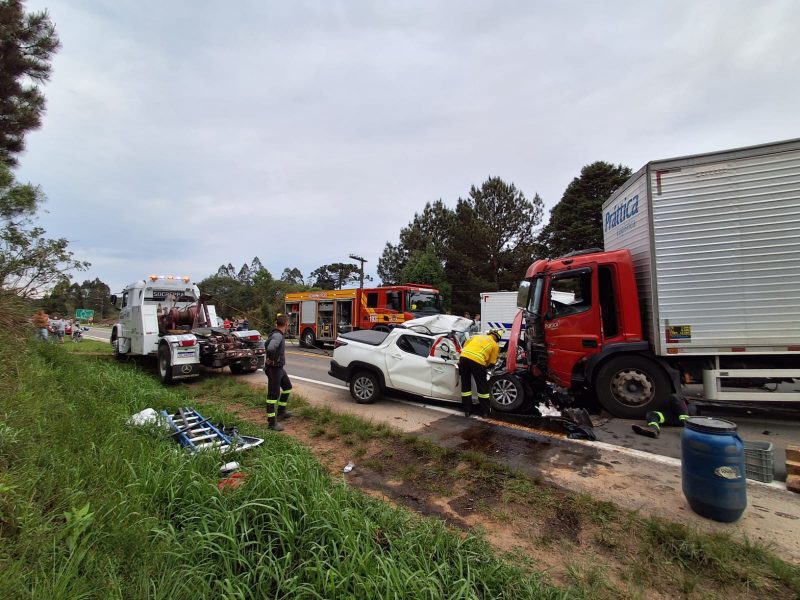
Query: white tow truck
168,317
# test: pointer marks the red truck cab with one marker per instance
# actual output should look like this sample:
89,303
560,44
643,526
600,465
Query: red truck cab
585,330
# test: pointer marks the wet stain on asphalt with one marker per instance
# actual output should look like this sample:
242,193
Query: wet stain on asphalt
518,449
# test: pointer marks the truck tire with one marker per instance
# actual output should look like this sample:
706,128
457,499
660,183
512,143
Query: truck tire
629,386
164,364
241,367
308,340
507,393
115,348
365,387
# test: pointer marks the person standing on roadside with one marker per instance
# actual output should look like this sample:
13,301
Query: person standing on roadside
40,322
278,384
479,353
58,328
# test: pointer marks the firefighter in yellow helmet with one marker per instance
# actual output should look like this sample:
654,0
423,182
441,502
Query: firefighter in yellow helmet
479,353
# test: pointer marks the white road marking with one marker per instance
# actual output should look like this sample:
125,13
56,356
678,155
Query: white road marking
91,337
449,411
333,385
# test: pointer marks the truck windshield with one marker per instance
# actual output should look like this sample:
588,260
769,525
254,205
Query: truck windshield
535,304
427,303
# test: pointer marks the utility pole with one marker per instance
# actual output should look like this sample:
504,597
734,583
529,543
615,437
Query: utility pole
360,270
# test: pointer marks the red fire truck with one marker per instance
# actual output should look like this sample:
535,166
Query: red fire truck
321,316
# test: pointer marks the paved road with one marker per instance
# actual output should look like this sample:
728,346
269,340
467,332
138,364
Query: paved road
311,367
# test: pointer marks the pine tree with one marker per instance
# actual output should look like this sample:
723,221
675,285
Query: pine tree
576,222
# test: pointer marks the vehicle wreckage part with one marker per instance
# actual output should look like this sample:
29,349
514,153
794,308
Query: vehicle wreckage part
195,433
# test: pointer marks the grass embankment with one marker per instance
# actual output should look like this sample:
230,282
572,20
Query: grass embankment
92,509
594,547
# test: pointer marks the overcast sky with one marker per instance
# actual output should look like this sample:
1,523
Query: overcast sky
183,135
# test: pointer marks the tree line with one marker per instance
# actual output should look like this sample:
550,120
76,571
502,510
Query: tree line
487,241
30,262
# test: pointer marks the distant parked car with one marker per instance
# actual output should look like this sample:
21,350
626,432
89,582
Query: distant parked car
419,357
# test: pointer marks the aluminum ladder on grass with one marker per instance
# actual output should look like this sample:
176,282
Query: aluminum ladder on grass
195,432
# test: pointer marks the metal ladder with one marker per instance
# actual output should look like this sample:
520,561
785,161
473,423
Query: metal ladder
195,433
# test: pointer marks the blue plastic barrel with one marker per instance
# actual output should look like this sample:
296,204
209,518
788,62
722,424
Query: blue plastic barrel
714,480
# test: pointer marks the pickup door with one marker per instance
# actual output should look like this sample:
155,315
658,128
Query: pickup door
445,381
407,363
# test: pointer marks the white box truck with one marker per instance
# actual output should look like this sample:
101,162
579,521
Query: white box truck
698,282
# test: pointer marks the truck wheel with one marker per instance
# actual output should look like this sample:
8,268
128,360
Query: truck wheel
629,386
164,364
248,366
507,393
115,347
308,340
365,388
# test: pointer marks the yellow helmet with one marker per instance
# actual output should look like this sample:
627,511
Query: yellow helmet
497,333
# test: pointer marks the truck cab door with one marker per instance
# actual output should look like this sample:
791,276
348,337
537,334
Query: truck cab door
443,361
572,321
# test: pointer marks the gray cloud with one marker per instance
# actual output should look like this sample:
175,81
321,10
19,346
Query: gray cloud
183,135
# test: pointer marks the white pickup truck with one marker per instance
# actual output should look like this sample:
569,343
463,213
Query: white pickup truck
420,357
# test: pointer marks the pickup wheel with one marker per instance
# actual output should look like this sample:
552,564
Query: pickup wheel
365,387
308,340
507,393
164,364
629,386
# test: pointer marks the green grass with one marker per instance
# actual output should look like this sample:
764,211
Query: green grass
92,509
86,346
662,555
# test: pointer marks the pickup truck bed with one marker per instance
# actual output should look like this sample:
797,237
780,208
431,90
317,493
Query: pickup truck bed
366,336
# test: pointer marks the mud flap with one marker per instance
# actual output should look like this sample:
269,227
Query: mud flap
185,371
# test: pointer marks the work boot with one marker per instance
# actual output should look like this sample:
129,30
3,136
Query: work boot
284,413
466,406
651,430
274,425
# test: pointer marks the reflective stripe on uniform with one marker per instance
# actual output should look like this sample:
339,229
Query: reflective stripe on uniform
653,424
660,416
284,401
466,394
484,395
